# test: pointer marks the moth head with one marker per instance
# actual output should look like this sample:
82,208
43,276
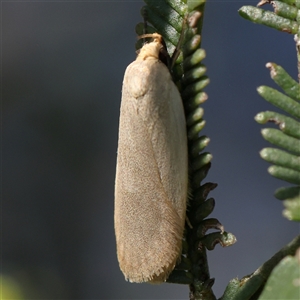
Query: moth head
156,48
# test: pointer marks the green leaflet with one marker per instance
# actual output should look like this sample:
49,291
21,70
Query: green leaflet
286,124
290,86
285,10
285,174
280,100
287,192
194,116
270,19
292,208
282,140
281,158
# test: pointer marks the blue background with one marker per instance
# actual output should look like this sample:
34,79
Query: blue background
62,68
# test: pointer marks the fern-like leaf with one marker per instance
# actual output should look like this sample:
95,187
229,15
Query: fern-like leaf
285,162
180,22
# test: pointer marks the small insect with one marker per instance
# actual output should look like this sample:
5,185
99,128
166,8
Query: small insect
151,186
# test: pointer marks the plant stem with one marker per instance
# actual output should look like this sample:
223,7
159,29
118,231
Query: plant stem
249,285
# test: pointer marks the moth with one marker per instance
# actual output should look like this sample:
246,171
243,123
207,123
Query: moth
151,186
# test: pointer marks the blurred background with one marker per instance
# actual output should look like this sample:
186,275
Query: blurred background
62,69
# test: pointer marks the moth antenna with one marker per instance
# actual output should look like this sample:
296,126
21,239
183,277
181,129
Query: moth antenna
145,29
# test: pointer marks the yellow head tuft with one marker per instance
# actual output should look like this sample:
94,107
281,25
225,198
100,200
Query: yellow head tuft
151,49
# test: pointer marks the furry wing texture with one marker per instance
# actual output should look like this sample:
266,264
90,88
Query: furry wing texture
152,173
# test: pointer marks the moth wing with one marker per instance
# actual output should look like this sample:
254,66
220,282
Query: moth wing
151,176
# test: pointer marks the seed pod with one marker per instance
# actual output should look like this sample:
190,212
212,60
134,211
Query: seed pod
152,170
